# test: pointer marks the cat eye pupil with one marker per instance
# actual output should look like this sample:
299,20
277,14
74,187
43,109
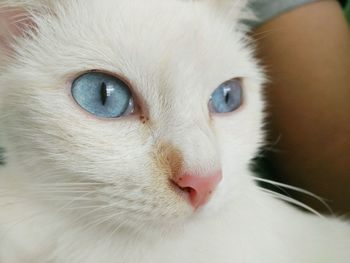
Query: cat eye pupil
103,95
227,97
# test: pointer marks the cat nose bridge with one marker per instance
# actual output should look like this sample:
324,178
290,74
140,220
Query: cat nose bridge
197,147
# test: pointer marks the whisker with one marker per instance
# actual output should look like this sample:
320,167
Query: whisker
64,191
291,201
81,207
296,189
74,200
100,221
69,184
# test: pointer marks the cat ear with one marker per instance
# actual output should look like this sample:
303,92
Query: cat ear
13,22
16,18
234,10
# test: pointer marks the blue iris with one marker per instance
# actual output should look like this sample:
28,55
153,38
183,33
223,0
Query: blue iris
227,98
102,95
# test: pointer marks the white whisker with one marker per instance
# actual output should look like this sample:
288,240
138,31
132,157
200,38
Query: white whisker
294,188
291,201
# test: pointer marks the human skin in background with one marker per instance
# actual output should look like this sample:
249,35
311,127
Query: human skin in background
307,56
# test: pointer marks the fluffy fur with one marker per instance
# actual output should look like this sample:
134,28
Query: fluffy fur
76,188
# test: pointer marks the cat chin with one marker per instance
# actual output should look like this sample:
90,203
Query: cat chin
171,228
130,228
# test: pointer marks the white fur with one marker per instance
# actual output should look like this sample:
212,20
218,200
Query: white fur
80,189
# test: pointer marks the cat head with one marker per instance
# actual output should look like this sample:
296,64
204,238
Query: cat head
172,61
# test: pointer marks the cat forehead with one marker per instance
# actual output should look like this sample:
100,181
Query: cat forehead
176,46
123,34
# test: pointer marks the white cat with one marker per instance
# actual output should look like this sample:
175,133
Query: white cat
128,127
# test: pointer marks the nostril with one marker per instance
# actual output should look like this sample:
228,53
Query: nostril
187,189
198,188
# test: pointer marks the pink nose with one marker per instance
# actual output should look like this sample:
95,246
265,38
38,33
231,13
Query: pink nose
199,187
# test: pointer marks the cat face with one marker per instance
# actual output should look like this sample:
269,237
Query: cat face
172,55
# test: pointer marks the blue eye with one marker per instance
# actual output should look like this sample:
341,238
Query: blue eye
227,98
103,95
